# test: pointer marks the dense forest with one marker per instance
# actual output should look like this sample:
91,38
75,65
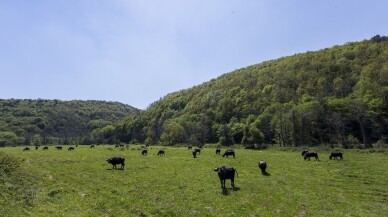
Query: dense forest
334,96
26,121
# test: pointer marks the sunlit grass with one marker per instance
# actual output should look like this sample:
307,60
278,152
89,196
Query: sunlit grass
82,183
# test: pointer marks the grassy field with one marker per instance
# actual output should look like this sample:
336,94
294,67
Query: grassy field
82,183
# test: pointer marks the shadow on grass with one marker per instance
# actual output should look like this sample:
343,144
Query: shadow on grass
266,174
226,191
115,169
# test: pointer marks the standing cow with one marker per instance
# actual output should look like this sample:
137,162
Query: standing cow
263,167
160,152
225,173
117,160
311,154
218,151
144,152
336,155
26,149
229,152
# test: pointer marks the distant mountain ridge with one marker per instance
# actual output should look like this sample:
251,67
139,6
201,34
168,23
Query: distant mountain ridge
40,121
335,95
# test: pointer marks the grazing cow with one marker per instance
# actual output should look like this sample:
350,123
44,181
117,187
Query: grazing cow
335,155
71,149
311,154
226,173
160,152
218,151
198,150
117,160
147,146
36,147
304,151
190,147
263,166
229,152
92,146
26,149
45,148
194,153
58,147
144,152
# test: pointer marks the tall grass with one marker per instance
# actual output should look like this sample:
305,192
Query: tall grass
82,183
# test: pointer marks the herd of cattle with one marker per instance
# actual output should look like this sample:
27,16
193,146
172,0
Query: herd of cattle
224,172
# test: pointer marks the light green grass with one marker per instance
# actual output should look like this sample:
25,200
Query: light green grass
81,183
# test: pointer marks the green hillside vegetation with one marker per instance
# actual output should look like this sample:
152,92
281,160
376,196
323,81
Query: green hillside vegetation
334,96
27,122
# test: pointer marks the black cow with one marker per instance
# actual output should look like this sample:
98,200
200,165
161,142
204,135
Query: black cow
311,154
26,149
160,152
263,167
190,147
218,151
335,155
117,160
45,148
229,152
198,150
304,151
144,152
116,146
58,147
194,153
92,146
36,147
225,173
71,149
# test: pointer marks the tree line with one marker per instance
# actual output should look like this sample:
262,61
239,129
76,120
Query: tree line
334,96
40,121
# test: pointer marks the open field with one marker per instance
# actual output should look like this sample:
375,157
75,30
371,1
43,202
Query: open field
82,183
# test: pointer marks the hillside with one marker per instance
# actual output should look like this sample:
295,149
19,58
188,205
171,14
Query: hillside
334,96
25,121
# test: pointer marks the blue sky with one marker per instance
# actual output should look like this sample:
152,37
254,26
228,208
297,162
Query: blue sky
136,51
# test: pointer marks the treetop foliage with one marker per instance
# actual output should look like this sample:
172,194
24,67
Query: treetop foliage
325,96
26,121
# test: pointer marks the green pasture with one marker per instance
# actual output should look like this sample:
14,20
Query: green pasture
82,183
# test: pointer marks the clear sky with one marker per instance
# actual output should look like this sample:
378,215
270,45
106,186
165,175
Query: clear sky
136,51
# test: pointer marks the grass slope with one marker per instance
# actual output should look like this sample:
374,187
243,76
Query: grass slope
82,183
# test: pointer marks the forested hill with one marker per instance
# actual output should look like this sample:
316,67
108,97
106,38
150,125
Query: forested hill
336,95
25,121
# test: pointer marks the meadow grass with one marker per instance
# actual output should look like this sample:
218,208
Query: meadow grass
82,183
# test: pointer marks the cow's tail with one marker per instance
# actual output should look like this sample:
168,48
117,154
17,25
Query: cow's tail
236,172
